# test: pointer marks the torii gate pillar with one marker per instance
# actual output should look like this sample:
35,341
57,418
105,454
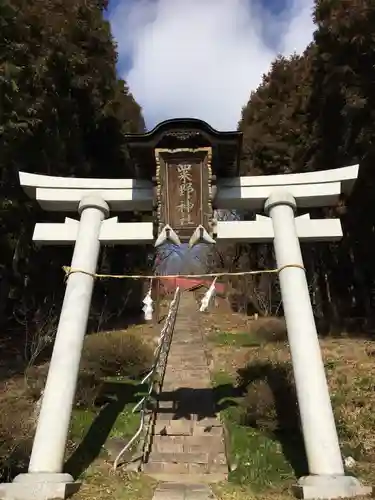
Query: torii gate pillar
45,478
47,453
327,477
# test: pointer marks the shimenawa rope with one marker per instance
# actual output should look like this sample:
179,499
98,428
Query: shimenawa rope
69,271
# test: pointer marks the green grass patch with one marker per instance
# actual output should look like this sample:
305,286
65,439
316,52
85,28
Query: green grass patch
125,424
256,459
93,429
81,422
241,339
116,416
221,377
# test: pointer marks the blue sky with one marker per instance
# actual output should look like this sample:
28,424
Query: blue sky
202,58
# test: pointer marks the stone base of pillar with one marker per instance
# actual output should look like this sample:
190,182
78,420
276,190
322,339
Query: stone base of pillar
40,486
330,487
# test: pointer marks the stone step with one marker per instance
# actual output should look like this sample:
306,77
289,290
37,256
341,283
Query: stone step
189,478
170,385
180,414
189,351
184,468
208,422
179,363
208,458
183,377
207,430
176,458
184,427
188,444
168,415
183,491
192,370
167,404
191,345
186,337
205,397
173,427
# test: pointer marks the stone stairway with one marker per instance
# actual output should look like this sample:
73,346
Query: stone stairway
187,444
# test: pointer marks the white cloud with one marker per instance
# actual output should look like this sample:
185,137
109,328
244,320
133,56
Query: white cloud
202,58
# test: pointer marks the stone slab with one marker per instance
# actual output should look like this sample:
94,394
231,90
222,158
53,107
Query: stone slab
166,468
188,444
208,421
330,487
174,427
189,478
168,415
184,468
183,491
39,486
190,458
207,430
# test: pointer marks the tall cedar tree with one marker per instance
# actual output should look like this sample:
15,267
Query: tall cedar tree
62,112
315,112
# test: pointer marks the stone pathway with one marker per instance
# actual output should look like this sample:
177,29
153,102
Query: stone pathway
176,491
187,445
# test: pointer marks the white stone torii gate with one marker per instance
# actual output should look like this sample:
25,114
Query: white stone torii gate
278,196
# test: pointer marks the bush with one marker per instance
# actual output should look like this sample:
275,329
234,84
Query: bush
270,401
88,386
259,407
270,329
104,355
116,354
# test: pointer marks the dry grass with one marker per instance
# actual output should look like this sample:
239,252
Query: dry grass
264,329
350,370
241,493
101,483
223,492
111,354
17,425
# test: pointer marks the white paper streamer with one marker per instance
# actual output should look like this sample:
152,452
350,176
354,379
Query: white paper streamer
147,308
208,297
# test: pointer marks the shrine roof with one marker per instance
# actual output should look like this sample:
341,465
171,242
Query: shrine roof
191,133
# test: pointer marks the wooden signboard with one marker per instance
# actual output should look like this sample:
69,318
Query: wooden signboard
184,192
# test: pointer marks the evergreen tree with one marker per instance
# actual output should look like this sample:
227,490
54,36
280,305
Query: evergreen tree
314,112
63,111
